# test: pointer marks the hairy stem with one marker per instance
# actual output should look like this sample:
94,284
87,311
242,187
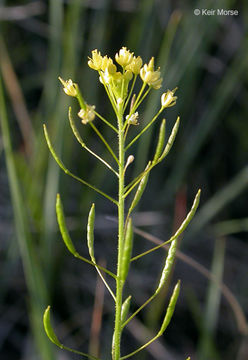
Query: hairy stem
119,282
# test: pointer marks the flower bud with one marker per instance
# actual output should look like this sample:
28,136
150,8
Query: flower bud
150,76
135,65
133,119
87,115
168,99
96,61
70,88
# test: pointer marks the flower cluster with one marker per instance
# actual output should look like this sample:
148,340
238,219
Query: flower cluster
131,65
116,82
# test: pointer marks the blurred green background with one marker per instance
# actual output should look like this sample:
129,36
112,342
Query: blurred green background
207,58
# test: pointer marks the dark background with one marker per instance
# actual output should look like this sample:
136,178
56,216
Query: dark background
207,58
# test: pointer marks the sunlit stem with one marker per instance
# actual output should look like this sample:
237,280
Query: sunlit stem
131,91
119,282
106,121
110,95
135,104
81,142
138,310
142,99
105,282
104,141
62,166
96,265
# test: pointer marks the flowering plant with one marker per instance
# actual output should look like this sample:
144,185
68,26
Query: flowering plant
119,86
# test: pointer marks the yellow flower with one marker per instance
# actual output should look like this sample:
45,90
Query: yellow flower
128,75
124,57
151,76
70,88
107,65
168,99
135,65
87,115
96,61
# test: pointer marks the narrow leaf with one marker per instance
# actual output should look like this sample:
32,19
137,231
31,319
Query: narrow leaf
48,328
90,232
161,139
170,309
127,251
62,227
125,309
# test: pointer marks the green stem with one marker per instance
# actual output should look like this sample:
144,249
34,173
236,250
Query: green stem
119,282
130,93
104,141
106,121
144,129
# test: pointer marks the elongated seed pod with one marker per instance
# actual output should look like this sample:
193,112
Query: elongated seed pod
90,232
139,192
160,143
127,250
170,140
48,328
168,265
125,309
62,226
170,309
190,215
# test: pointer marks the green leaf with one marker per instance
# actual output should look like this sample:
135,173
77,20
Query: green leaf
62,226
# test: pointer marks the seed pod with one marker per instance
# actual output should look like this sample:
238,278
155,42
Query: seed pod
140,190
48,328
168,265
170,308
90,232
190,215
161,139
170,140
127,250
62,226
125,309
